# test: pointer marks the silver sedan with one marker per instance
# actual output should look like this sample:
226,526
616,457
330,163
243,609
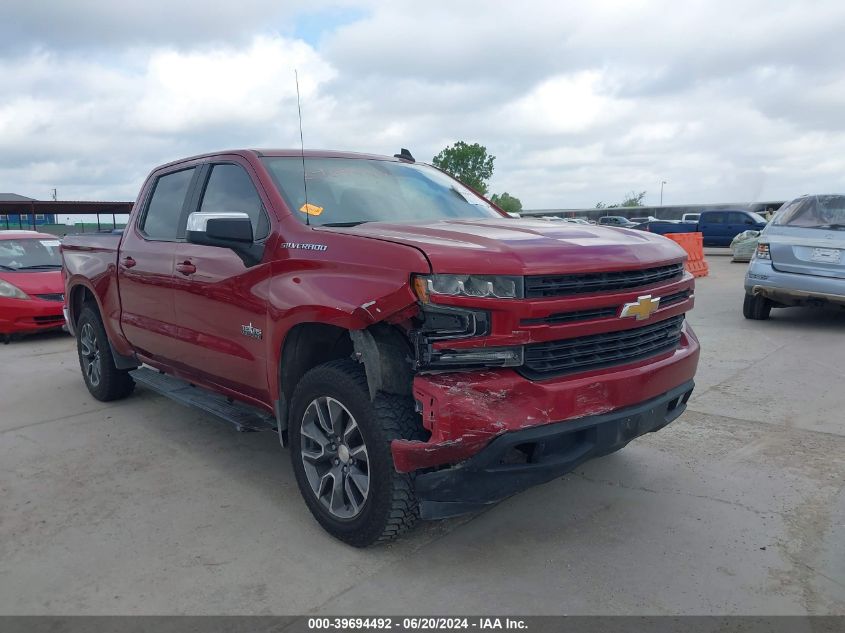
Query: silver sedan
800,258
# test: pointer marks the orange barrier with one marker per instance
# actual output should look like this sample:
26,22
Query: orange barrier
693,244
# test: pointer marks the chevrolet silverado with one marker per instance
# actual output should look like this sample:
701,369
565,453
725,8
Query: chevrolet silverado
420,352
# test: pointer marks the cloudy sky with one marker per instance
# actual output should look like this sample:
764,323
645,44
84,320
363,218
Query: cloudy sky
579,101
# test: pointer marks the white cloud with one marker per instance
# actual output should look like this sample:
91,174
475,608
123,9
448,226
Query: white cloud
563,105
580,102
186,91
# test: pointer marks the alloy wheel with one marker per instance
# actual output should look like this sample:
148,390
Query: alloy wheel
90,353
335,457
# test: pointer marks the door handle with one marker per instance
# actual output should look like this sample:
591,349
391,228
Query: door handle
128,262
186,268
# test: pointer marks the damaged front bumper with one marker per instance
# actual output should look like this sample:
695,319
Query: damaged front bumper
464,411
518,460
476,417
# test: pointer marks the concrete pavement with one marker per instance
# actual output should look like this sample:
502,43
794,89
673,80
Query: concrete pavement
144,506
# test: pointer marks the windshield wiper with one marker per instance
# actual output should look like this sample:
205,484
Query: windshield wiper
344,223
4,267
836,226
36,267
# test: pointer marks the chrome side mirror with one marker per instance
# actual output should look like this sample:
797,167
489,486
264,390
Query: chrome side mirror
225,230
202,228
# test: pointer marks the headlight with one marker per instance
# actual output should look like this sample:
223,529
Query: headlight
482,286
762,251
9,291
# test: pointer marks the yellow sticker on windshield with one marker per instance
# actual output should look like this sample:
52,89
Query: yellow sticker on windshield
311,209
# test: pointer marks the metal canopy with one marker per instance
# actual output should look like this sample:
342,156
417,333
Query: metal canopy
58,208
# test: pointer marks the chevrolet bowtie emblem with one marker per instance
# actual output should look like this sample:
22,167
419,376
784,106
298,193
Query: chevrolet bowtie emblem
642,308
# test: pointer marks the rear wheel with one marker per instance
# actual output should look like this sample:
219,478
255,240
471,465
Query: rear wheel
756,307
104,381
340,451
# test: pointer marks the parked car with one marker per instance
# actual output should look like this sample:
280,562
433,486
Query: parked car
800,258
649,218
718,227
616,220
31,284
420,353
690,218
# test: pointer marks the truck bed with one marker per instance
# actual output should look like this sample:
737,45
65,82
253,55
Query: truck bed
661,227
104,242
90,254
92,259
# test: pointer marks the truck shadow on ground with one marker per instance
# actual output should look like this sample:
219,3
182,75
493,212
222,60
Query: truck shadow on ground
256,461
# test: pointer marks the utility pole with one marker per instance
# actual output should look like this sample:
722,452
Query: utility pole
662,182
55,194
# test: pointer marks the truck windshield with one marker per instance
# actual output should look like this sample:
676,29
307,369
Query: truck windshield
349,191
30,254
813,212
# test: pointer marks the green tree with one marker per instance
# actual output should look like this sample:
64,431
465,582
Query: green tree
632,199
507,202
471,164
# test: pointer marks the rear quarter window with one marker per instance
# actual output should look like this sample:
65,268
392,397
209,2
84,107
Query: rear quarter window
162,218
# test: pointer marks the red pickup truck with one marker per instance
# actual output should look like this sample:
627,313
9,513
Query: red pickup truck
422,353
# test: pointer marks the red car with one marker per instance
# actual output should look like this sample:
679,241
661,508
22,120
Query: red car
31,285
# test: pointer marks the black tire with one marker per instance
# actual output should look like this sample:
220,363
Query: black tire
390,506
104,381
756,307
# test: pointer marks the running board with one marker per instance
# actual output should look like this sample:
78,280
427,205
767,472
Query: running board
244,417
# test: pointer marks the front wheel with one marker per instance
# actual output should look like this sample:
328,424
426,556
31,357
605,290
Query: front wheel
340,451
104,381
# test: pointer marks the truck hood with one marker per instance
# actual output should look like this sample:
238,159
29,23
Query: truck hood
523,247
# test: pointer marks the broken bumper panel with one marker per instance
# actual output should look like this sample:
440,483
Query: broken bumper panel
518,460
465,411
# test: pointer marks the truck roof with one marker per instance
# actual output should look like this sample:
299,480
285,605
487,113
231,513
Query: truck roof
309,153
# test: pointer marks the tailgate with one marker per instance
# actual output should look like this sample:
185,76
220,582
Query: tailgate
807,251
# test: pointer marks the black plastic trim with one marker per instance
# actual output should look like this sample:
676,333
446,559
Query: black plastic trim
565,285
555,449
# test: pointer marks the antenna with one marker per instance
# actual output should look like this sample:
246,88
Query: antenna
302,150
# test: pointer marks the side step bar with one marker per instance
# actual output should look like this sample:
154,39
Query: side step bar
244,417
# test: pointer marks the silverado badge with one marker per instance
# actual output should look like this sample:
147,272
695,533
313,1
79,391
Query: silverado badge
642,308
249,330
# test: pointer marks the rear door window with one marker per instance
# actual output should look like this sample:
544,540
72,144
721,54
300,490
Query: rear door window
164,211
713,218
230,189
